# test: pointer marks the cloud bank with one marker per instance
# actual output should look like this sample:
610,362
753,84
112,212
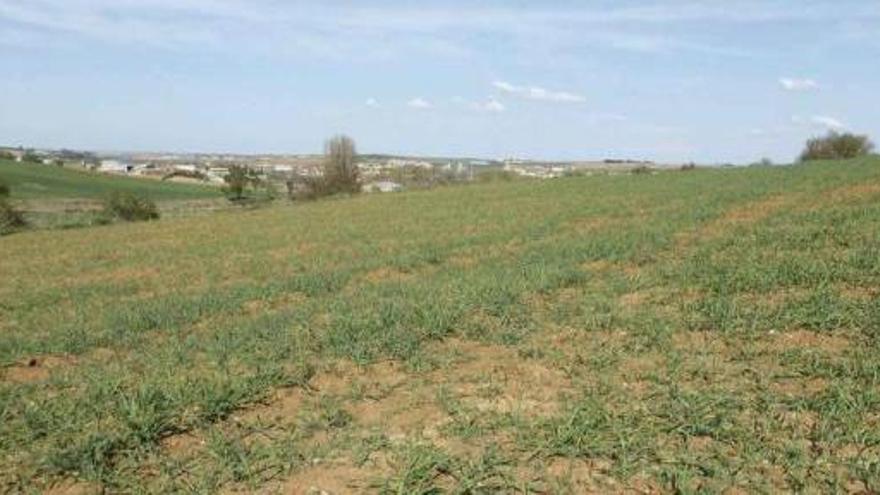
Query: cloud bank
792,84
419,104
538,93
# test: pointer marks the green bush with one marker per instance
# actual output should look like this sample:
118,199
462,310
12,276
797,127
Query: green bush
836,146
11,220
130,208
31,157
4,190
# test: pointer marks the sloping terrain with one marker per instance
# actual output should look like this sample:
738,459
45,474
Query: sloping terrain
711,330
43,182
60,198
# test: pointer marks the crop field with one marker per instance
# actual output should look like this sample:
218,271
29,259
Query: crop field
710,331
55,197
32,182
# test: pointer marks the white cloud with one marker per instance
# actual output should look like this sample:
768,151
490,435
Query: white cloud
344,29
824,121
419,103
539,93
793,84
827,122
505,86
492,105
372,103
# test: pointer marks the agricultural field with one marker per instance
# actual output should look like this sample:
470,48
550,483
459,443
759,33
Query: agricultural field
38,182
701,331
55,197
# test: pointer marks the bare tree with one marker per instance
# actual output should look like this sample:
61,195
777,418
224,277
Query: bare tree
237,181
340,169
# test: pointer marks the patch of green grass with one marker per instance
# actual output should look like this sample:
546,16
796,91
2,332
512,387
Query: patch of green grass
35,181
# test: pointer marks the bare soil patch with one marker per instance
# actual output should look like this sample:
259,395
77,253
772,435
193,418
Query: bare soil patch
182,444
749,213
633,299
587,225
36,369
286,300
597,266
859,293
62,205
834,343
496,378
799,387
578,475
850,192
328,478
462,260
387,274
410,406
73,488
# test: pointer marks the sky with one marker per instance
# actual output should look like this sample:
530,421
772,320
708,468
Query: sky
670,81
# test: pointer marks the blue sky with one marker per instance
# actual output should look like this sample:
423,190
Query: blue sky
710,81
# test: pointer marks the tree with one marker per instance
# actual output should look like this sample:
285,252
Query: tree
340,170
836,146
238,180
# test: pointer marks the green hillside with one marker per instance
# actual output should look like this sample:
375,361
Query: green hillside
706,331
32,181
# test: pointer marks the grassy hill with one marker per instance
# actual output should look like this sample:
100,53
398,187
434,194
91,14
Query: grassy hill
709,330
30,182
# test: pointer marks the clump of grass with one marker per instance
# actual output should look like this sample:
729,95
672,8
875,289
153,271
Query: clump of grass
418,470
425,468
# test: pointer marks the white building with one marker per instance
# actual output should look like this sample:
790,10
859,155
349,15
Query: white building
383,186
114,167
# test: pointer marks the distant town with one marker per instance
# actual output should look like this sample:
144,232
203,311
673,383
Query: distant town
379,173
